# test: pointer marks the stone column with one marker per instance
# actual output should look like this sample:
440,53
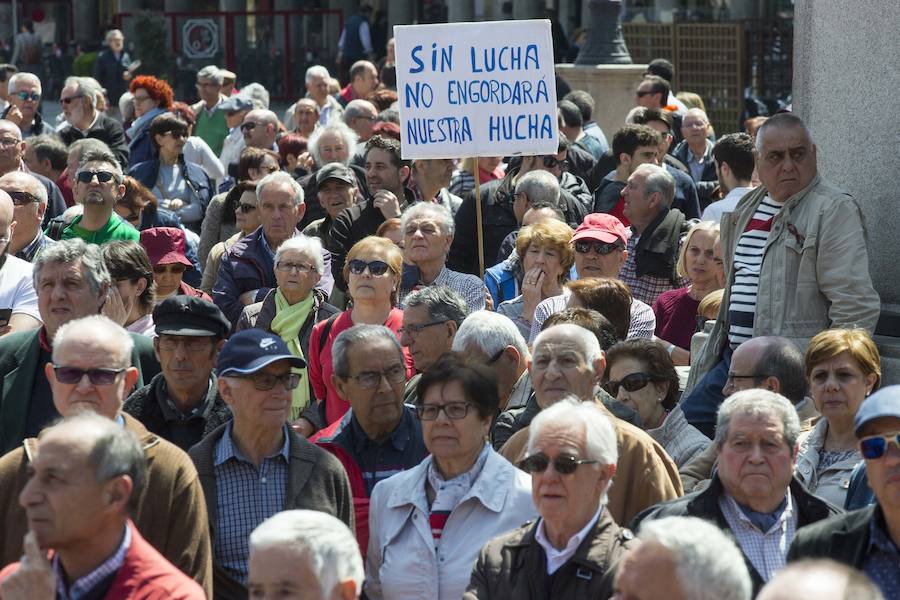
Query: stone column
400,12
526,9
459,11
845,89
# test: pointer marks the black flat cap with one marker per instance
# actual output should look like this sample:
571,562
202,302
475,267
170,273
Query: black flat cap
189,315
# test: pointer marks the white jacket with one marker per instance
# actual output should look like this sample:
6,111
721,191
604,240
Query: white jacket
402,561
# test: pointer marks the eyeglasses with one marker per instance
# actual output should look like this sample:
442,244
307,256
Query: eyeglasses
376,267
414,330
289,267
22,198
601,248
25,96
7,142
72,375
564,464
454,411
176,135
371,118
551,162
102,176
70,99
631,382
246,208
371,379
139,99
248,126
265,382
732,376
876,446
176,268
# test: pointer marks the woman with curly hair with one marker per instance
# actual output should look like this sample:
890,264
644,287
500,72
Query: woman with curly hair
151,97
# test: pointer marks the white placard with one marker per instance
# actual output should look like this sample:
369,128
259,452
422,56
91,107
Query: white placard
476,89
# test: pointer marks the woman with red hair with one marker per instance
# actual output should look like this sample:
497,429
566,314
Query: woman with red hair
151,97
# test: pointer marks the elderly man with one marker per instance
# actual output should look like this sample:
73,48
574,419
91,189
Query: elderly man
305,117
799,240
360,116
46,156
820,579
305,552
85,520
24,98
182,404
867,539
235,109
247,271
98,186
12,159
91,372
316,80
17,294
682,558
79,104
657,230
210,126
255,466
112,70
431,317
600,251
568,360
753,495
363,77
335,185
259,128
71,281
568,552
696,151
430,177
379,436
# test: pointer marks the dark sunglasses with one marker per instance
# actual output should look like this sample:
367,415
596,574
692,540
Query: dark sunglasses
601,248
245,208
170,268
249,126
72,375
550,162
376,267
265,382
564,464
22,198
70,99
102,176
876,446
25,96
631,382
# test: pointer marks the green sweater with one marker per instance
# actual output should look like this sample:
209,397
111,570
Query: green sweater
115,229
212,129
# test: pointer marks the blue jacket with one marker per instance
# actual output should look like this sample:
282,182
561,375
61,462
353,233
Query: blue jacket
501,281
147,173
140,146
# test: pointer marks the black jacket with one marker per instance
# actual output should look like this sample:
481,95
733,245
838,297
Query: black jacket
657,251
709,180
844,538
705,505
108,70
105,129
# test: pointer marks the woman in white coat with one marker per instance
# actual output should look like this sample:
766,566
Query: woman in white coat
428,524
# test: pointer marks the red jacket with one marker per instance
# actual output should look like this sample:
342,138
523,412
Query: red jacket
145,575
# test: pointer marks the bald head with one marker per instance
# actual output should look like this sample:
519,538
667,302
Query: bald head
7,126
6,210
360,115
260,127
819,580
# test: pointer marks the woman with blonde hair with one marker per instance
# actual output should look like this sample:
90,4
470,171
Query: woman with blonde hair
462,180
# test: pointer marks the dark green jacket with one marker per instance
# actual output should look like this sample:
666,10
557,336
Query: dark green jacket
19,355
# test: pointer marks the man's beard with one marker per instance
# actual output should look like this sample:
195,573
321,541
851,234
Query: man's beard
93,199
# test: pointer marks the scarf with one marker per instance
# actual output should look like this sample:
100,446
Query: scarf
449,493
289,318
139,123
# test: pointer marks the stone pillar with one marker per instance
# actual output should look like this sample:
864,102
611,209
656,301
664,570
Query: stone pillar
612,87
844,89
85,22
527,9
400,12
459,11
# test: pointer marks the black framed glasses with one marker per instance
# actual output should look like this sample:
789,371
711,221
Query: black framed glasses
70,99
601,248
102,176
876,446
73,375
454,411
246,208
375,267
371,379
564,464
290,267
414,330
266,381
22,198
248,126
732,376
25,96
551,162
632,382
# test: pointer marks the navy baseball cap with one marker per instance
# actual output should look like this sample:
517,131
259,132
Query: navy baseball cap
248,351
883,403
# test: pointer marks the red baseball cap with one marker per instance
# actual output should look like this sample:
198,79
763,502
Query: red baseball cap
165,245
603,227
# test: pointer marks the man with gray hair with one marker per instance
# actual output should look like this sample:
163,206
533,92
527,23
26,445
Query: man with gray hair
78,99
682,558
317,78
305,551
696,151
29,200
247,271
91,372
431,317
430,177
71,281
753,495
12,159
570,550
46,156
360,116
24,99
113,69
820,579
260,128
210,125
657,230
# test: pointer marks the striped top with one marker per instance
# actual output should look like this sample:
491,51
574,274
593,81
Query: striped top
748,257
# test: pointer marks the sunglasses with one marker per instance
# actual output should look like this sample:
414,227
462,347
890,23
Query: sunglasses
102,176
249,126
376,267
876,446
72,375
551,163
70,99
265,382
454,411
176,268
564,464
601,248
246,208
632,383
25,96
22,198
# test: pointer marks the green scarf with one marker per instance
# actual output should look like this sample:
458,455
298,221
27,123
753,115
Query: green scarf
289,318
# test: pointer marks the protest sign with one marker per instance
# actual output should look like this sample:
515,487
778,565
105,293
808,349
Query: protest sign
476,89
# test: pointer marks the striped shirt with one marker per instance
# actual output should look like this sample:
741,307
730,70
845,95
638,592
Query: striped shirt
748,257
641,325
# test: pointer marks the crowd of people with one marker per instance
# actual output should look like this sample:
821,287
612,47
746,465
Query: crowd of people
245,355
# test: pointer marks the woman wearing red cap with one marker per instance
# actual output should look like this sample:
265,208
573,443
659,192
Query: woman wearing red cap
166,248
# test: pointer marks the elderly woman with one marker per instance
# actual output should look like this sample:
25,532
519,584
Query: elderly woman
546,255
166,248
150,97
181,186
239,206
372,271
333,142
700,261
291,309
427,235
132,299
640,375
427,524
843,367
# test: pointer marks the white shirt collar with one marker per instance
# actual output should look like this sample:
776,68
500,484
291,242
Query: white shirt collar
557,558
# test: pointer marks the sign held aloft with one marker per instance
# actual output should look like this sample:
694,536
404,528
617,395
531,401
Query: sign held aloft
476,89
